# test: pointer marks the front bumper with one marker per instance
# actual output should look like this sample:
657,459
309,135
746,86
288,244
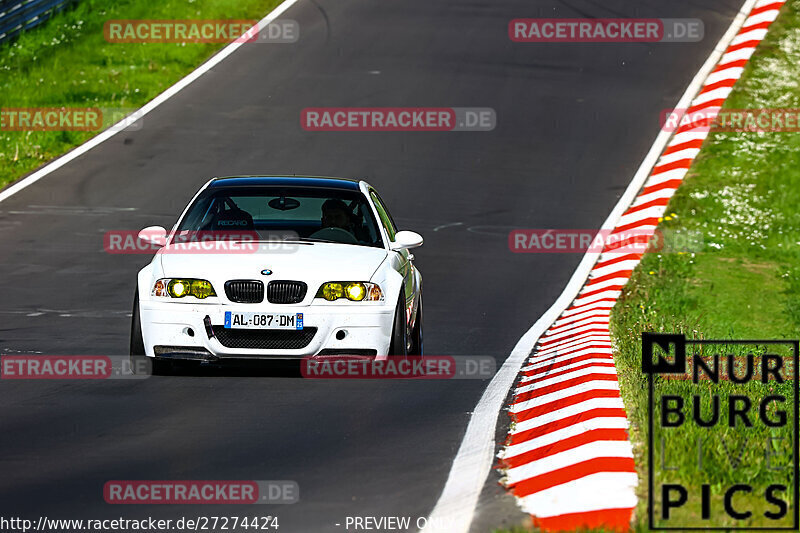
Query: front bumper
180,330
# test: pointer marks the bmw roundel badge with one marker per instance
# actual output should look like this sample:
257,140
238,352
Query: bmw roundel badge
266,272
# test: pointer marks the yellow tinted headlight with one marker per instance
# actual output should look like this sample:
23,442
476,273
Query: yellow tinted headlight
202,289
178,288
332,291
355,291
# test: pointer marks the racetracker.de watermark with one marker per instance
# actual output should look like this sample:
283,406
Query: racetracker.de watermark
606,30
193,242
731,120
397,367
201,492
398,119
555,241
154,240
69,118
200,31
93,367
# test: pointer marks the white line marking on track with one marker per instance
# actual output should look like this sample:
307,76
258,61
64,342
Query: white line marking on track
452,224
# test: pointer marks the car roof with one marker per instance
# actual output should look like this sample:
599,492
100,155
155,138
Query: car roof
285,181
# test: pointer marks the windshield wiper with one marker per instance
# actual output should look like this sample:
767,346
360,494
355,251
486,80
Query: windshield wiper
317,240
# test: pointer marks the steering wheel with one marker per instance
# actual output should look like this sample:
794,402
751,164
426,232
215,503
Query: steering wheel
335,234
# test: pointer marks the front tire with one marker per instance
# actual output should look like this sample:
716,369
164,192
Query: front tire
416,334
138,358
137,340
399,345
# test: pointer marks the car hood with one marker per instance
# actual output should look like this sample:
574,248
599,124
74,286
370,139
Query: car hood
310,262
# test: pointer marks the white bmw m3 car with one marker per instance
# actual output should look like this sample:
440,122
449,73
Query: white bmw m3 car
308,266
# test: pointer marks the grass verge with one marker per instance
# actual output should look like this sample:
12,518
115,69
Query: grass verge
67,62
742,194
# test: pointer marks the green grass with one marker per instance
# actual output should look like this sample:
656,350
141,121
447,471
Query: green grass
742,194
68,62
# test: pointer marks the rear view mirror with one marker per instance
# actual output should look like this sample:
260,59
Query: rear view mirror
283,203
405,240
154,235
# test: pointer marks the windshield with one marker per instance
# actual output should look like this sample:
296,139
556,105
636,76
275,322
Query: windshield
307,214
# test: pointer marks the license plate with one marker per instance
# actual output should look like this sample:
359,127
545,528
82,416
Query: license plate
263,320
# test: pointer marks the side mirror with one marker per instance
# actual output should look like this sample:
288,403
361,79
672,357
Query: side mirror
154,235
404,240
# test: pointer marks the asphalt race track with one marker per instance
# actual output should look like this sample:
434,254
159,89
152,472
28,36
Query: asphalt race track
574,122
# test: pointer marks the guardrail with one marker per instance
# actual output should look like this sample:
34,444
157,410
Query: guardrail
17,16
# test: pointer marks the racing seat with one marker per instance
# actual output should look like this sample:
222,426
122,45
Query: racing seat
232,220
